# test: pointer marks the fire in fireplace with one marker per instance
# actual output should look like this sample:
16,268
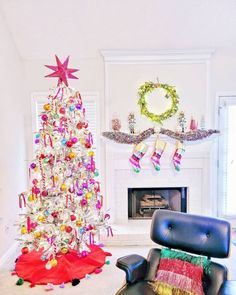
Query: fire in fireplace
142,202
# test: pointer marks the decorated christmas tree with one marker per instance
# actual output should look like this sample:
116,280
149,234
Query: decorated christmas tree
61,211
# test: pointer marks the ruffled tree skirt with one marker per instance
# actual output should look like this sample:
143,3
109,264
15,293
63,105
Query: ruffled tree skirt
31,268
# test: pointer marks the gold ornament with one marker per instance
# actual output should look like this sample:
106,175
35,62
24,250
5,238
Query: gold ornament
78,223
91,153
53,262
23,230
71,155
88,196
37,235
30,198
64,250
41,218
63,187
47,107
62,227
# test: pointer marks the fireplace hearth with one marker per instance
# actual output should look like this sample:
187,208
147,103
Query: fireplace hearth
142,202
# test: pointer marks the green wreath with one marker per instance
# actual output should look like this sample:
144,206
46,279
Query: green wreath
149,87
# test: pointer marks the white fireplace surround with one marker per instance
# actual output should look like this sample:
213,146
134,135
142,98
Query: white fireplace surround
194,175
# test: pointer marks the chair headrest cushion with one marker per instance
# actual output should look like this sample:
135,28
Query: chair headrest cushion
196,234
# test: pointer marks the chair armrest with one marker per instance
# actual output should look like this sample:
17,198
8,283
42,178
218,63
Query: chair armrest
135,267
228,288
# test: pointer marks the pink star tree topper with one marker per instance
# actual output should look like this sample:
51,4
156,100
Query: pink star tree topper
62,71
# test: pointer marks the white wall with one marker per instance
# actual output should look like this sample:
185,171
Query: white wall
190,80
12,124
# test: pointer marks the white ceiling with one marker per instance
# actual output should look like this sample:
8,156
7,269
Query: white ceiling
82,27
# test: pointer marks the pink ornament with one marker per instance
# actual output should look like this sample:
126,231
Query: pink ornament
33,224
36,190
98,205
44,193
61,130
44,117
72,217
84,253
34,181
88,167
62,111
97,270
83,202
74,139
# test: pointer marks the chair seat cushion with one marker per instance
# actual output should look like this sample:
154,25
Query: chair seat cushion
139,288
179,273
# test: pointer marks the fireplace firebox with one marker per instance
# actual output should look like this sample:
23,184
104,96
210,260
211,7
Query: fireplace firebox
142,202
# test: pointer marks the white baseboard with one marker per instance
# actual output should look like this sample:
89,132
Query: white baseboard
8,258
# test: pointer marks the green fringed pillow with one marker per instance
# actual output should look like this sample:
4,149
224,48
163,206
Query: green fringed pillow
180,273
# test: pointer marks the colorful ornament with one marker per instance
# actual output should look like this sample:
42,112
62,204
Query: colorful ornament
44,117
20,282
68,229
72,217
24,230
53,262
47,107
62,227
25,250
64,250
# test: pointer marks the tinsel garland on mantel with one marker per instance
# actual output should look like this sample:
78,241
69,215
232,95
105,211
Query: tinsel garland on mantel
125,138
190,135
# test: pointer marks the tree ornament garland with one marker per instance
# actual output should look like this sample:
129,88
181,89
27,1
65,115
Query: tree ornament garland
149,87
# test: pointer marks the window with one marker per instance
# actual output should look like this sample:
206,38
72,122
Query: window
90,102
227,157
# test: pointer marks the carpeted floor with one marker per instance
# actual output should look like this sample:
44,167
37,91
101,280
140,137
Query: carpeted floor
105,283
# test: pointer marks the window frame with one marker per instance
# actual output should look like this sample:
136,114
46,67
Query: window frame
41,97
223,98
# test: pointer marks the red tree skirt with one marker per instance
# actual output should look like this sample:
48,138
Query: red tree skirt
70,266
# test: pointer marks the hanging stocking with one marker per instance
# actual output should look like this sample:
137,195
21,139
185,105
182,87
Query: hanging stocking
178,155
156,156
139,151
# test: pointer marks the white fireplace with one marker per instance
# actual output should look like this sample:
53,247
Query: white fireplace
195,175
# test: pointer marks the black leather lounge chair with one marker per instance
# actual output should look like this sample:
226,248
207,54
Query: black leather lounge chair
195,234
